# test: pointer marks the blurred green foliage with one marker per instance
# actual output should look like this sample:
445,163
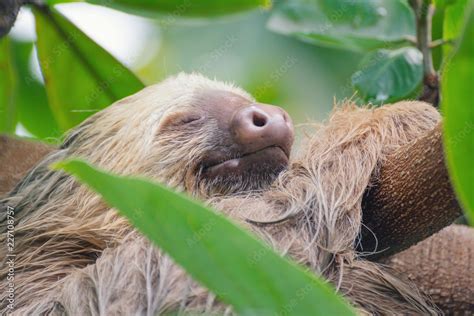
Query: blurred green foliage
283,56
355,25
302,78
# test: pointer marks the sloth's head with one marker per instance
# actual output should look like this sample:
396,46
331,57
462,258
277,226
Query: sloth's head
196,134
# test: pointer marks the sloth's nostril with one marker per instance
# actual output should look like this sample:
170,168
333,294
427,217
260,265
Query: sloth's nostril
259,120
259,126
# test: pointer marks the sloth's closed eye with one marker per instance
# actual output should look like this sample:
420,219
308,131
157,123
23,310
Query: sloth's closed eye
190,118
180,119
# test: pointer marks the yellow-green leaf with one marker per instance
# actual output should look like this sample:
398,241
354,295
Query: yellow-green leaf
32,103
81,77
179,8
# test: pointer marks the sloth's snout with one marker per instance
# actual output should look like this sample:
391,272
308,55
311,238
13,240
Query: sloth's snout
259,126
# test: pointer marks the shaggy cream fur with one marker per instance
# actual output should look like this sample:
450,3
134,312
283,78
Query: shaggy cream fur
75,255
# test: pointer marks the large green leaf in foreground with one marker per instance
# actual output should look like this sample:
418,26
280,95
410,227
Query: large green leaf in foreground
457,87
355,25
81,77
453,23
228,260
389,75
178,8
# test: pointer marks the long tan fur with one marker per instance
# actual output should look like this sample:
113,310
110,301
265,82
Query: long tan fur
76,255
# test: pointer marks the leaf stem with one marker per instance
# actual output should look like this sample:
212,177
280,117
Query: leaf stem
440,42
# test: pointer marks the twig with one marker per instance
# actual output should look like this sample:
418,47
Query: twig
440,42
411,39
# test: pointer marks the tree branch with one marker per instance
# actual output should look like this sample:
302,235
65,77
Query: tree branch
412,198
8,13
424,13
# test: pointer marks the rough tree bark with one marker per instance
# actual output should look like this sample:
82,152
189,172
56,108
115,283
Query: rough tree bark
442,266
8,13
412,198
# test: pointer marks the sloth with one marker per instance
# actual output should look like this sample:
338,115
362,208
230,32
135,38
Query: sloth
76,255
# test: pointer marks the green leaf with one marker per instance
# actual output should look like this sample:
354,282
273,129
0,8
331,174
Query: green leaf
33,109
240,269
457,86
389,75
441,4
8,83
81,77
454,20
347,24
179,8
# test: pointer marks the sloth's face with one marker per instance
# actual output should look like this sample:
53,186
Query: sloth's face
228,143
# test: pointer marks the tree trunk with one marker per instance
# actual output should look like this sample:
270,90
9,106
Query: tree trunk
8,12
411,199
442,266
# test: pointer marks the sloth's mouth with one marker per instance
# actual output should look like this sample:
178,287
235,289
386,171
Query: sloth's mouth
270,159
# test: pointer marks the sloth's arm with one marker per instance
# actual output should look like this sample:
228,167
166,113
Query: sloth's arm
411,199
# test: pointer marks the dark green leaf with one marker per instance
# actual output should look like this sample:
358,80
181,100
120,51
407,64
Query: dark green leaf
179,8
347,24
33,109
457,86
8,88
81,78
228,260
389,75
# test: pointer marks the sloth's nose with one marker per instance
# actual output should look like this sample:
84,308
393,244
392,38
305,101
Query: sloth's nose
259,126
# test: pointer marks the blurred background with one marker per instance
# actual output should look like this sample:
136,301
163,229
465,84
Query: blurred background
300,77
